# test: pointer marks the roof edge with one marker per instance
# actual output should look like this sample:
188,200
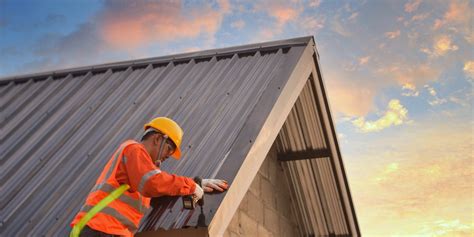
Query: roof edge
163,59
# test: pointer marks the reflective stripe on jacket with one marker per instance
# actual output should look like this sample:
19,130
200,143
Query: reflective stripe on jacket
130,164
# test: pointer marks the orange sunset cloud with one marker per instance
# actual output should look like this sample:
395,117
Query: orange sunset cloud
458,19
415,75
392,34
281,11
469,69
347,98
129,25
412,6
410,90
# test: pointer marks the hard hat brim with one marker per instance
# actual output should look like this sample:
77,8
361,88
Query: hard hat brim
177,154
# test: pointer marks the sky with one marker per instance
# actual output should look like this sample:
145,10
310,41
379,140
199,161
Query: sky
399,77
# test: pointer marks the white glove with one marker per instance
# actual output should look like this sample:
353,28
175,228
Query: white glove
198,192
210,185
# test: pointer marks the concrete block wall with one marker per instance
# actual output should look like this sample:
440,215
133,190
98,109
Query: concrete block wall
265,209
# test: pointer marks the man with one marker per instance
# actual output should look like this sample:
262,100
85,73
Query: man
137,165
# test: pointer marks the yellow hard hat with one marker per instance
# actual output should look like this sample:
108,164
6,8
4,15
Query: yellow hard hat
171,129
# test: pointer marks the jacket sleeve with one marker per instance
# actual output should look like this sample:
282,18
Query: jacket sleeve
149,180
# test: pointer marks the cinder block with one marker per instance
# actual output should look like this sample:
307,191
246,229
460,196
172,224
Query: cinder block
234,234
262,232
255,186
282,182
264,168
283,204
244,203
271,221
274,169
255,207
234,223
287,227
248,227
268,193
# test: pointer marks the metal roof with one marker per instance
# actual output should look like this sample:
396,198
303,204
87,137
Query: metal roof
60,127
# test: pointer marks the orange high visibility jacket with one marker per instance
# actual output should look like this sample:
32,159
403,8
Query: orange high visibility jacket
130,164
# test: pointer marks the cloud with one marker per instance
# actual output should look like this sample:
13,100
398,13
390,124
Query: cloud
121,29
342,138
410,90
396,114
420,17
338,27
353,16
438,24
415,74
456,11
424,181
134,24
238,24
81,47
444,227
412,6
443,45
469,69
282,12
314,3
422,184
191,49
387,171
364,60
225,6
392,34
407,178
431,90
348,97
465,102
458,14
284,15
311,24
435,99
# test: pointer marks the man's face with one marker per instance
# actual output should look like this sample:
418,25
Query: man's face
168,147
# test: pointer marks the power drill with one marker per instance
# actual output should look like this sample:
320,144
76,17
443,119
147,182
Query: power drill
189,202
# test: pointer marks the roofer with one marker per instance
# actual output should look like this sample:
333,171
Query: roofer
136,165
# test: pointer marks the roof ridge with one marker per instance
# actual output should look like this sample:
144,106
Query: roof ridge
163,59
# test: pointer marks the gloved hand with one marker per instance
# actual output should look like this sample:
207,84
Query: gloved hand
210,185
198,192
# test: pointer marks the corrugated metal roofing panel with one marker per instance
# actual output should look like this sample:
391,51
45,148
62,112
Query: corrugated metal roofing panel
59,128
314,186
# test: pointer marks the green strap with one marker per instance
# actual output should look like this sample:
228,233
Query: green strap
76,230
